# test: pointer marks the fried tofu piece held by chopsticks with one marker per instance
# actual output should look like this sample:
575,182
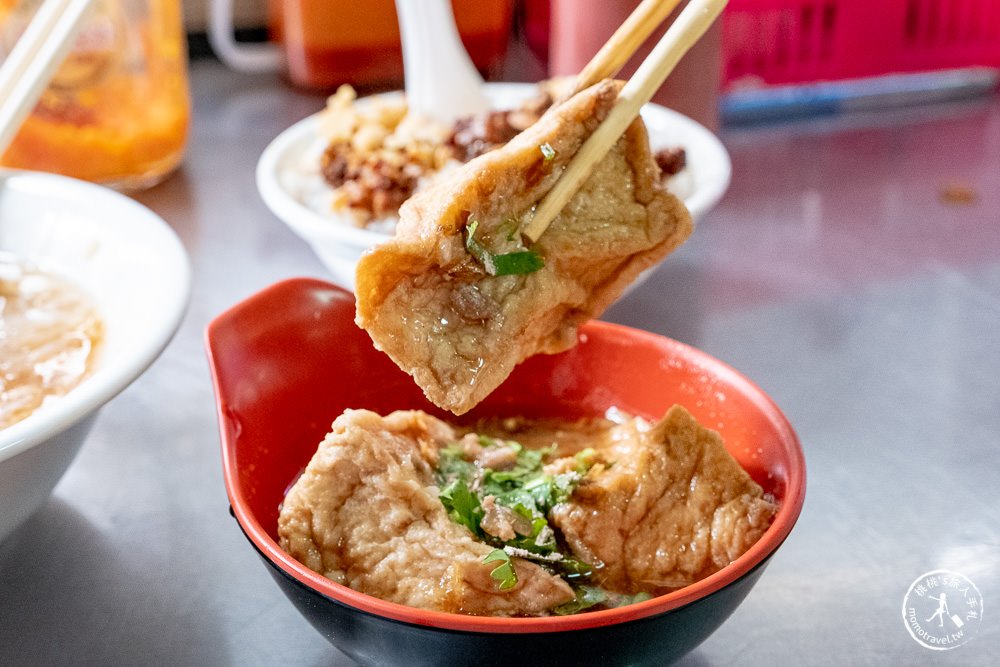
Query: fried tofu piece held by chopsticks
458,298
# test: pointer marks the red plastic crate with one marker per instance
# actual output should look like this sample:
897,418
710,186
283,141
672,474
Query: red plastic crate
774,42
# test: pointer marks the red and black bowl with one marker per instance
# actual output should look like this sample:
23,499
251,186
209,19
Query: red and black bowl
290,359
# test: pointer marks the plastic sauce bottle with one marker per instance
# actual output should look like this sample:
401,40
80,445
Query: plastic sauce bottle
329,43
118,109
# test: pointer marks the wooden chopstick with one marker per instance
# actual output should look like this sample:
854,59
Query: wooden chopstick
33,61
692,23
630,35
26,48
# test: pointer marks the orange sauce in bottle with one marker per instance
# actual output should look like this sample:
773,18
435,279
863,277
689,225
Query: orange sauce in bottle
330,43
117,111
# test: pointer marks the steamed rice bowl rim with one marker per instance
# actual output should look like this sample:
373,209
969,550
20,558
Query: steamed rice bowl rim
708,163
763,548
113,372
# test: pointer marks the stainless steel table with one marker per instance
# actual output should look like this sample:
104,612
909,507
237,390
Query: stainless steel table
842,272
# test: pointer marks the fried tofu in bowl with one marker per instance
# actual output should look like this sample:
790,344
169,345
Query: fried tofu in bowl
292,370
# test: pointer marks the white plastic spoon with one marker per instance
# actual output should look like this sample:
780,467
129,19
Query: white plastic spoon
440,79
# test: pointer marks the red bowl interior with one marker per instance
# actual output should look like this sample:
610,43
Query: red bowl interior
288,360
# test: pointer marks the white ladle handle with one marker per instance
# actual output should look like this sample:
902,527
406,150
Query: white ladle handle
441,80
242,57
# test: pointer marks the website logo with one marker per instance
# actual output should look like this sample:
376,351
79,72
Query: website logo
942,610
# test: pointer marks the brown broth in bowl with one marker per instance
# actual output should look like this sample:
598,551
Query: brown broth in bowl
50,336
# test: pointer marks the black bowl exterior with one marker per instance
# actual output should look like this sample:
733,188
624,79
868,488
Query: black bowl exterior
659,640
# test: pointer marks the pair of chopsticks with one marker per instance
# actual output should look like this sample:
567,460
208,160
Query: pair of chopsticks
682,34
33,61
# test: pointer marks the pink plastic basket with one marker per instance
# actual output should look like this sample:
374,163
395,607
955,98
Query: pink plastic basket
774,42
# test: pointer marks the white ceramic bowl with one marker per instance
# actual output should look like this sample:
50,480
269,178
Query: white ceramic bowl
136,271
289,181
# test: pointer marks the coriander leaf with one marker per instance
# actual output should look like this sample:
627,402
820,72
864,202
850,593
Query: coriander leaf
632,599
541,542
562,487
550,490
584,460
452,464
462,505
592,596
586,597
526,489
504,572
518,262
529,461
571,567
484,256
